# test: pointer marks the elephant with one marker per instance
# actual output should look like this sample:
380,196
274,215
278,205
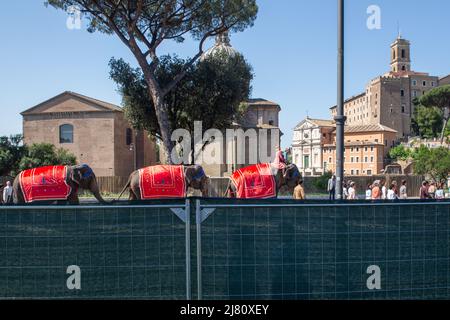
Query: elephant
194,176
289,177
76,177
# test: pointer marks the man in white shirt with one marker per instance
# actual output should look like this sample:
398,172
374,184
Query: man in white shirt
7,193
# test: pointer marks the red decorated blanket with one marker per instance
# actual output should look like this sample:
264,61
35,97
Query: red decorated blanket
162,181
255,182
45,184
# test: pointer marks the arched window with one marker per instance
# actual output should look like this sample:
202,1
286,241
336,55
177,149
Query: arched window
129,136
403,53
404,68
66,133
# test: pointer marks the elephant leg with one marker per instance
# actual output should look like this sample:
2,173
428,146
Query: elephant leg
73,199
18,197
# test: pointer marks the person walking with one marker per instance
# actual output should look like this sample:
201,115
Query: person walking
345,186
432,190
299,191
391,195
331,188
369,192
376,191
440,194
383,190
352,191
7,193
424,195
403,191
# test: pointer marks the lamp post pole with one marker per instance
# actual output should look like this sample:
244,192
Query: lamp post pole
340,118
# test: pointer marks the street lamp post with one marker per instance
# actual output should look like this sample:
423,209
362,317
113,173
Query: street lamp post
340,118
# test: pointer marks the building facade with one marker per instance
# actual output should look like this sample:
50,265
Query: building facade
96,132
310,136
388,99
366,149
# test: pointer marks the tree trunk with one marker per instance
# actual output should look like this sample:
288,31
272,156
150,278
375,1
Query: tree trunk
162,115
446,119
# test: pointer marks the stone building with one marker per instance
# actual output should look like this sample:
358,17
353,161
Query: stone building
444,81
96,132
310,136
366,149
388,99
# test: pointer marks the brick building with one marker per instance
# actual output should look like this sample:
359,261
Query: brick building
95,131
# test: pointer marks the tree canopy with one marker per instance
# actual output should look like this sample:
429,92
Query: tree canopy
439,98
212,91
45,154
435,162
400,152
11,152
143,25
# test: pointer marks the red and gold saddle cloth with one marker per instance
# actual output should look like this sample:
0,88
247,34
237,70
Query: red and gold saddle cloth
162,181
45,183
254,182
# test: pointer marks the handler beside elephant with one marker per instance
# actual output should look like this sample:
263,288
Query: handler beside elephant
165,181
51,184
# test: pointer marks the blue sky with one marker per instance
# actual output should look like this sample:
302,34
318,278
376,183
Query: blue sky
292,48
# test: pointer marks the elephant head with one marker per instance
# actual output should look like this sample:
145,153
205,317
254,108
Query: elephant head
83,176
291,176
197,179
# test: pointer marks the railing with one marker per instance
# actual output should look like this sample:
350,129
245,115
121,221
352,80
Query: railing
227,249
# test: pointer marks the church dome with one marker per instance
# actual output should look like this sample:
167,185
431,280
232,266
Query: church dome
222,44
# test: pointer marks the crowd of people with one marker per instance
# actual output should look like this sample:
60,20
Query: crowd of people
379,190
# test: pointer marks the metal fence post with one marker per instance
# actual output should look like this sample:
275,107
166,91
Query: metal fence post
198,219
188,250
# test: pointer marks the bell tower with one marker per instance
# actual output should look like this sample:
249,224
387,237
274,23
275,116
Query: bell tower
400,55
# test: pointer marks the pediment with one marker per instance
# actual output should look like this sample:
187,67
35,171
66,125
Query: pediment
69,102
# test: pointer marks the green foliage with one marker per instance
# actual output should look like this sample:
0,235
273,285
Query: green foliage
428,121
400,152
435,162
45,154
211,91
321,183
439,98
11,151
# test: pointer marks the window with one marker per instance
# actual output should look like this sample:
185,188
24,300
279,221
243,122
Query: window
306,162
365,149
351,159
414,82
352,172
402,93
371,159
403,68
66,133
433,84
414,93
357,159
424,83
403,108
403,53
129,137
366,159
369,172
357,172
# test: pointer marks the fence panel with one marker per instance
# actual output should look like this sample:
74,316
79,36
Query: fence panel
282,250
121,252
